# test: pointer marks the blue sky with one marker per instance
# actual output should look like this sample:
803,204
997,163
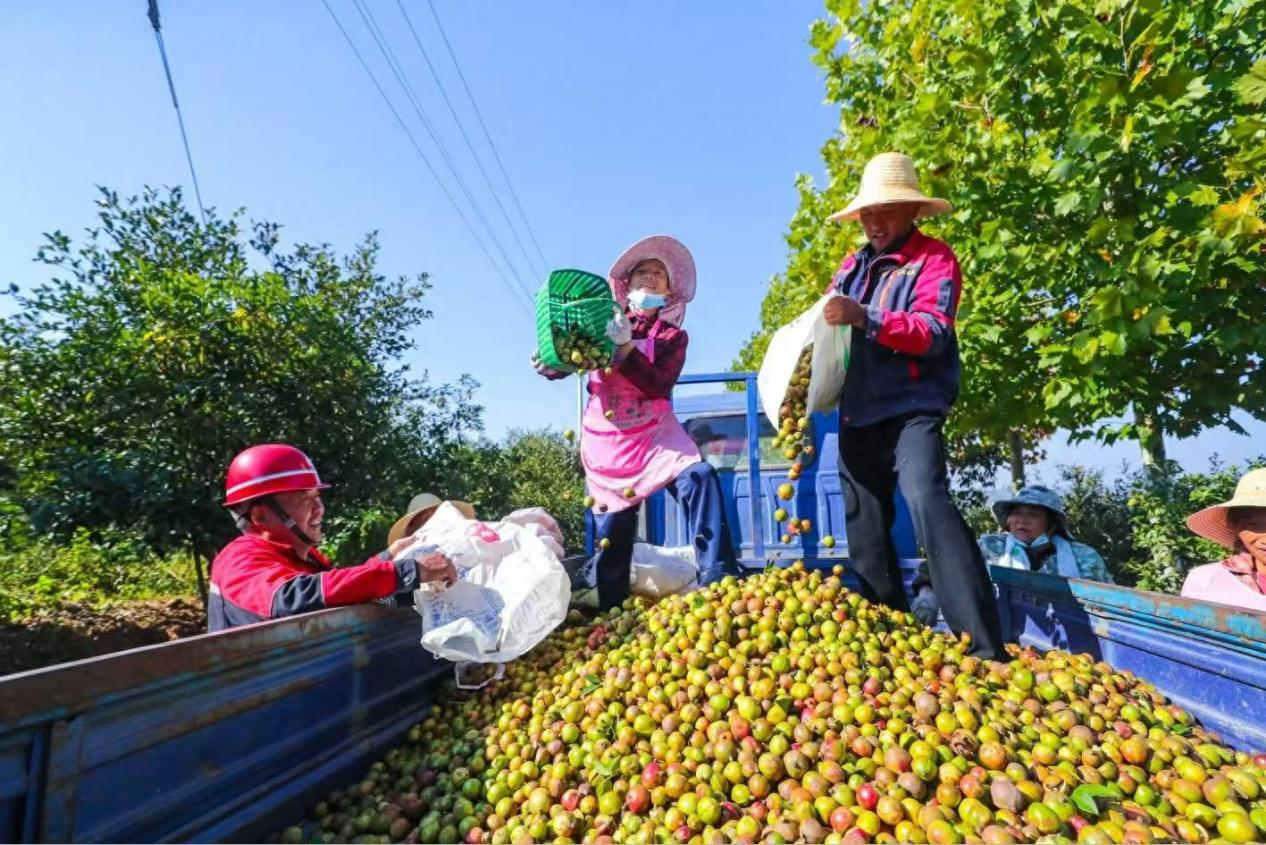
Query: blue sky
614,120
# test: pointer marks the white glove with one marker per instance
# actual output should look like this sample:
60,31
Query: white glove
620,330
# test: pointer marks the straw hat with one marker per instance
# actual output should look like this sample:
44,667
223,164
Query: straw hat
681,274
890,178
424,503
1212,522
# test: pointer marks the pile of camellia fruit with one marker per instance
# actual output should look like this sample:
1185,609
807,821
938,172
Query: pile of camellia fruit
784,708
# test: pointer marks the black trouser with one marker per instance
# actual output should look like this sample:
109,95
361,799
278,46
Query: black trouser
699,491
909,452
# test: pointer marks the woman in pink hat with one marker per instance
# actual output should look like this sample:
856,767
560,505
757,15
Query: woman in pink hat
632,444
1239,525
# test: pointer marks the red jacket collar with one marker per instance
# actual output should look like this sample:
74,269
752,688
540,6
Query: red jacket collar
314,558
914,245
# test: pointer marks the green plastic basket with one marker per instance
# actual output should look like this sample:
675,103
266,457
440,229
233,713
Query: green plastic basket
572,301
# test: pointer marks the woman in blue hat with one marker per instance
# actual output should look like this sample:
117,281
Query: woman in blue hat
1034,538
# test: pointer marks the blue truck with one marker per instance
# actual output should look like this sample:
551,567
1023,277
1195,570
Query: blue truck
232,736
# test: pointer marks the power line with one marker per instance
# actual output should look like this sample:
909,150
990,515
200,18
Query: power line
487,136
367,16
544,269
171,86
422,155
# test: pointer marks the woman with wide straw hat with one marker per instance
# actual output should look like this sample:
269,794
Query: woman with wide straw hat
900,293
1239,525
631,442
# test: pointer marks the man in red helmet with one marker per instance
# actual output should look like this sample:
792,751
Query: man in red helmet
275,569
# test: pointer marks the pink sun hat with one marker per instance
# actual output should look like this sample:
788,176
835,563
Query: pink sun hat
681,274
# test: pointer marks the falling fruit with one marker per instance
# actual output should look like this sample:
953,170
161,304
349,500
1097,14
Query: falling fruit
786,491
569,435
780,515
576,357
629,492
609,415
828,541
588,501
806,525
604,543
786,538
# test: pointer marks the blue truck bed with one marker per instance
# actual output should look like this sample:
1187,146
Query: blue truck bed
231,736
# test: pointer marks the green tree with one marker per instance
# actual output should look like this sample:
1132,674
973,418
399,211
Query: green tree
528,469
163,346
1104,162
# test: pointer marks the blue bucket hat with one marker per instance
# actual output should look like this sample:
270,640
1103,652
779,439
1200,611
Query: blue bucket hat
1036,494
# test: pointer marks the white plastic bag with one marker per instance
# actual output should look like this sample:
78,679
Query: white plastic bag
783,353
830,362
662,571
469,675
656,571
511,591
540,523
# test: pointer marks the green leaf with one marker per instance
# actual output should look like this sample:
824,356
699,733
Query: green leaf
1099,229
1197,89
1084,796
1203,196
1107,301
1067,203
1252,86
1113,343
1063,170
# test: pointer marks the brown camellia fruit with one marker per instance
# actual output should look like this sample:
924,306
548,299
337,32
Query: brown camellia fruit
785,707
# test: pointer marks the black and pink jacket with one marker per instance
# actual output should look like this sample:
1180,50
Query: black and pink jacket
905,358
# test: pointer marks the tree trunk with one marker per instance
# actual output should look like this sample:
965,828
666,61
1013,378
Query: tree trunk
1151,441
200,555
1015,442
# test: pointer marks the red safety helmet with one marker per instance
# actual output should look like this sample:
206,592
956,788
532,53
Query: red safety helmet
267,469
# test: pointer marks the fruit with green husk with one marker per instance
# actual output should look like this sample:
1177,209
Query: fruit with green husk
575,347
785,707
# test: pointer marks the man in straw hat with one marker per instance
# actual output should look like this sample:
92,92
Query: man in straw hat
900,292
421,508
1239,525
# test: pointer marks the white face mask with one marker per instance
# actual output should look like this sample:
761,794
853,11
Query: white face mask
645,300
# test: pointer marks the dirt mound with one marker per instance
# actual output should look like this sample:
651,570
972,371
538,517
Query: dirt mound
74,631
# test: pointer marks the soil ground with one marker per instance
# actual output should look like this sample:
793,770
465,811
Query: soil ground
74,632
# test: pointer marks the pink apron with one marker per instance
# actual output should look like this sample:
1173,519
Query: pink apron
641,446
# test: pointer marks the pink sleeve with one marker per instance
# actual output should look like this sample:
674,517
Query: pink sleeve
925,328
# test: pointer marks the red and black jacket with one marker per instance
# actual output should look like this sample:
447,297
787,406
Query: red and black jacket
905,357
253,579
